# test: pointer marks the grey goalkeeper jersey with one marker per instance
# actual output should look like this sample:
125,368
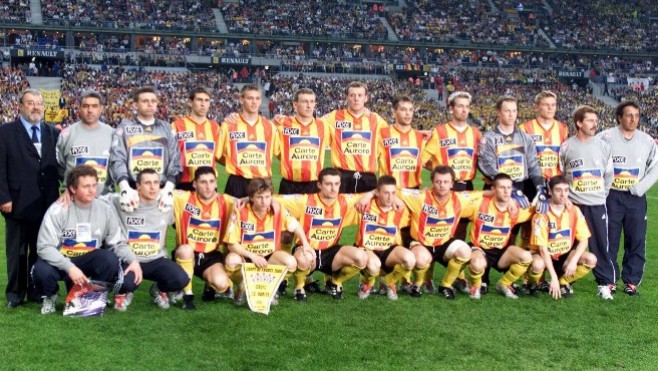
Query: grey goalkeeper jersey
145,228
80,145
136,147
514,154
588,167
68,232
633,160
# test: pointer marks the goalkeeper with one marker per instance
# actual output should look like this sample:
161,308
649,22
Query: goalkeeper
144,142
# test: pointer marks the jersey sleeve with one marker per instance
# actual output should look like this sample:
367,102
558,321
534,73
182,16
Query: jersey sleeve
295,204
539,231
174,167
233,231
470,201
487,159
582,230
412,199
431,149
119,156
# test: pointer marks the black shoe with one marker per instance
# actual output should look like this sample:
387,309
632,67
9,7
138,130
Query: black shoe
11,304
484,288
415,291
313,287
188,302
613,288
631,289
543,286
300,295
566,291
335,291
530,290
208,293
447,292
461,285
282,288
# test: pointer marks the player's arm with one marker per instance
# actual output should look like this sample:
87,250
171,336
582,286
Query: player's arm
582,236
487,160
292,225
174,167
48,240
534,171
431,150
609,174
60,153
539,238
233,239
119,156
651,172
294,204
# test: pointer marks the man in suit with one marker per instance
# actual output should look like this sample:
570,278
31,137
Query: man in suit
28,185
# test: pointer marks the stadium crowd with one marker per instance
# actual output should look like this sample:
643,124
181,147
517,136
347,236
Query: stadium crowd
15,11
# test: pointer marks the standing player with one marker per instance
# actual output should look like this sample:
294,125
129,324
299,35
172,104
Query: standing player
255,234
554,234
355,141
323,216
401,147
490,236
379,235
586,161
248,144
198,137
146,231
303,139
634,158
86,142
144,142
201,217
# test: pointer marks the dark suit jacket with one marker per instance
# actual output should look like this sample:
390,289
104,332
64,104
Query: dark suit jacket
30,182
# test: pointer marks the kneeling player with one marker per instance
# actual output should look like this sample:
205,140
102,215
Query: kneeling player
254,235
490,234
201,217
379,235
554,234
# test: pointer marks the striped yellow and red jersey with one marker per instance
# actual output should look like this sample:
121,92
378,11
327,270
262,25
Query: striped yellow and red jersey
458,149
557,232
302,148
491,227
400,155
354,140
548,142
380,229
259,235
322,223
198,224
433,222
198,143
248,149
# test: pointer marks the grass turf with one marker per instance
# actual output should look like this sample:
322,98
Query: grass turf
427,333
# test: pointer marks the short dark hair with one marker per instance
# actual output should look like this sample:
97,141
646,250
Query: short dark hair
442,169
327,171
73,177
199,90
202,170
248,87
385,180
505,98
259,185
398,100
580,112
558,179
145,171
356,85
619,112
501,176
144,89
301,91
92,94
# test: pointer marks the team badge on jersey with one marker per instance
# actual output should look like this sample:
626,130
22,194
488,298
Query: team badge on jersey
71,248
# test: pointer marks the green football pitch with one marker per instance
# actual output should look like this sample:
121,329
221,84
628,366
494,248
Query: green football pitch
425,334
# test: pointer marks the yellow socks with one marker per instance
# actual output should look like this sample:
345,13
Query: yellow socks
515,271
455,266
345,274
188,267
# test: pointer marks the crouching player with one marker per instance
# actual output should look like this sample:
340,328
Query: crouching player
254,234
201,218
491,227
554,234
146,230
379,235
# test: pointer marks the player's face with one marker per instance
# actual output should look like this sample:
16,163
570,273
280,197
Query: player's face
386,195
200,104
629,119
305,105
90,111
356,99
251,101
146,105
31,108
442,184
560,194
546,108
460,109
261,202
149,187
589,125
404,114
85,191
206,186
507,113
329,186
502,190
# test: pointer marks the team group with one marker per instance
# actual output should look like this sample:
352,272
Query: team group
585,190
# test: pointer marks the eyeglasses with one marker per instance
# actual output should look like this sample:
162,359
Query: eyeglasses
31,103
